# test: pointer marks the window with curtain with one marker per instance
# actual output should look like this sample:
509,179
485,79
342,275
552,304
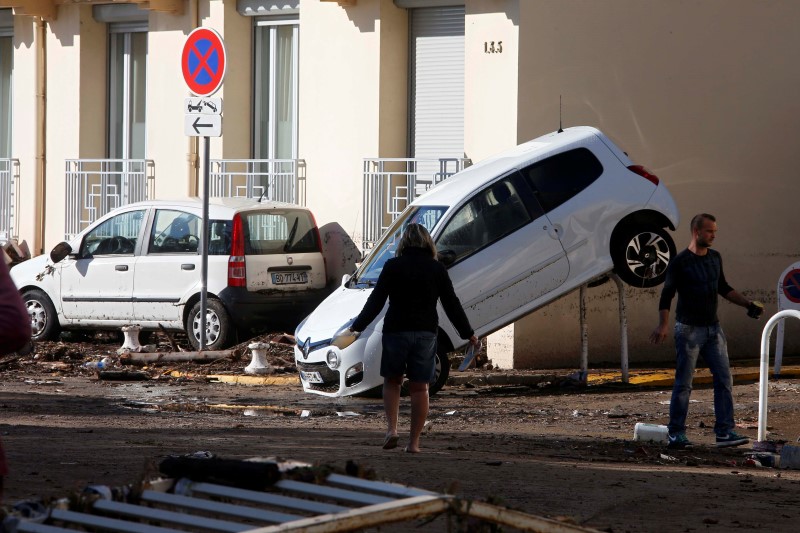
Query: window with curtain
276,60
127,93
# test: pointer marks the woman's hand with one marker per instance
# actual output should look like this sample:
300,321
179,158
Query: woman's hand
475,341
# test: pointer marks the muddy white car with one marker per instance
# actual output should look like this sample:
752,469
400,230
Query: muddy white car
141,264
516,231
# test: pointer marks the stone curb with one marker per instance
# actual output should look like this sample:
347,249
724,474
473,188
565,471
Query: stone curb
644,378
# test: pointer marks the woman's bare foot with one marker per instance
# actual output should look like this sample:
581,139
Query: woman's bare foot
409,449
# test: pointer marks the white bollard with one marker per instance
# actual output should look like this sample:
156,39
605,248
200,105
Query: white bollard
259,364
131,343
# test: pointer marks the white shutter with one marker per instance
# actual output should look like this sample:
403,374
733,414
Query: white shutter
437,82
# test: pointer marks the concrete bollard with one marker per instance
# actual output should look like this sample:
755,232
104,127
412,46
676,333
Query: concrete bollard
259,364
131,343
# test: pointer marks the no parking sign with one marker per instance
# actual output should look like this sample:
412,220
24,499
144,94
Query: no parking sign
788,298
203,61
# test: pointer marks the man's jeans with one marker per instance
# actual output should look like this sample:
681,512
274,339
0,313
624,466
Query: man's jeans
708,341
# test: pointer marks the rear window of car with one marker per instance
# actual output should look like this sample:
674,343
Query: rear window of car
280,232
557,179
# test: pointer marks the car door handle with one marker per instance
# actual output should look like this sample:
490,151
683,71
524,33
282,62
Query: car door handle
187,266
121,268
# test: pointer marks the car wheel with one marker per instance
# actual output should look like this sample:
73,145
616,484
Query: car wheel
218,326
44,319
440,376
641,255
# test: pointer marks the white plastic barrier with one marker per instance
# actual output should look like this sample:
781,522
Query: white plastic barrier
762,390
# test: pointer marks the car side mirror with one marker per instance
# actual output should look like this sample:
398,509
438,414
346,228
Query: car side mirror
446,257
60,251
345,279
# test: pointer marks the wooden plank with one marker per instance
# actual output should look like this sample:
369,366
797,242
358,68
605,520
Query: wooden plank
517,519
218,507
266,498
34,527
151,513
366,517
108,524
331,492
393,489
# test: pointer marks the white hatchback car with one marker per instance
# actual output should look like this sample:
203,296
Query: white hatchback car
517,231
141,264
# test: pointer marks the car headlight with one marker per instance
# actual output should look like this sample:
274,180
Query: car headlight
333,359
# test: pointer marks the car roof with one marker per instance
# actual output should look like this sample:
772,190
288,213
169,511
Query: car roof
218,206
455,188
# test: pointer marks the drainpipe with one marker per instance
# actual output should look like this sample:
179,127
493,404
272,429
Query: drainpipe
41,139
191,156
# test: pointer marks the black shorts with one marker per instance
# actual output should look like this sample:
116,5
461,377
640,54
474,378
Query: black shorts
409,353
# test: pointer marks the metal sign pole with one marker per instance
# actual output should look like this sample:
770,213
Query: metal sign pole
204,246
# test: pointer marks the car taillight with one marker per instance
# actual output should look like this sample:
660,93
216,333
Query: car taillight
237,270
643,172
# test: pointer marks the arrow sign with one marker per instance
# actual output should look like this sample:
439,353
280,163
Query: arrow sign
202,125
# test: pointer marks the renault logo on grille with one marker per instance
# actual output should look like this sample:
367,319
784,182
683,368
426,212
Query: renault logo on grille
306,347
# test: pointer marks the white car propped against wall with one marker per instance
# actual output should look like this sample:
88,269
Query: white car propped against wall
516,231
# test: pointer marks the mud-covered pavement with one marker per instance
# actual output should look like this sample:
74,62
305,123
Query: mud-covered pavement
550,449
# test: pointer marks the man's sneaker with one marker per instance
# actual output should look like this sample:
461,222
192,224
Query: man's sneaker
678,442
731,439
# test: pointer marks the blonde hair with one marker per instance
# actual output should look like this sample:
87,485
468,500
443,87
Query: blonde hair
416,236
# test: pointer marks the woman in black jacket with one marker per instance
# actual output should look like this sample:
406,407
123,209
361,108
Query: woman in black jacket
413,281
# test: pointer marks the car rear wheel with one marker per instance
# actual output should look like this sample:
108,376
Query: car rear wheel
641,255
218,326
44,319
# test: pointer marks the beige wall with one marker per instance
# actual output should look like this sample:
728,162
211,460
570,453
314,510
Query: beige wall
174,154
25,126
490,106
350,107
75,104
704,95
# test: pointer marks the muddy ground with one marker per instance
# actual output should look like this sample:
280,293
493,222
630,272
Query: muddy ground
553,450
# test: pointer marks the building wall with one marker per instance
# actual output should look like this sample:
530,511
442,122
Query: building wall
491,42
711,112
704,95
353,87
25,125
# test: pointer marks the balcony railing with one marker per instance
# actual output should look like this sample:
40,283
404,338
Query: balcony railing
9,194
96,186
282,180
390,184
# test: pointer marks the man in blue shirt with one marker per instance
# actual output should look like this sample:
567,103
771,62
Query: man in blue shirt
696,275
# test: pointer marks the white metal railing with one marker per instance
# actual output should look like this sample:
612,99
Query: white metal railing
282,180
764,368
390,184
9,193
96,186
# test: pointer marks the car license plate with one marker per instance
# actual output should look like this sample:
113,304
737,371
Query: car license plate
310,377
289,278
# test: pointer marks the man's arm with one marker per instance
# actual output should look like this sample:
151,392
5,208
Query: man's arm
736,298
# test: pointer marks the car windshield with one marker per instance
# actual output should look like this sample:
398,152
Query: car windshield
367,274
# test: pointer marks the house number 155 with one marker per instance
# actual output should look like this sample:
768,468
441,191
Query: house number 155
493,47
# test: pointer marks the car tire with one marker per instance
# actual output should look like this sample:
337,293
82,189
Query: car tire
442,373
641,255
440,376
44,319
220,332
